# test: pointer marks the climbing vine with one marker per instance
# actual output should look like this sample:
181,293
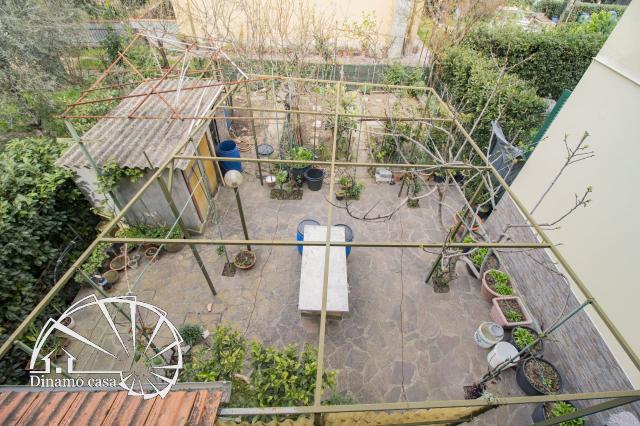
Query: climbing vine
112,173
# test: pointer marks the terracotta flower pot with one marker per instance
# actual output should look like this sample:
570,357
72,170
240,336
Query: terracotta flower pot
498,316
485,291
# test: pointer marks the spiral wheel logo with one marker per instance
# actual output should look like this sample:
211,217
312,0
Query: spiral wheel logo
140,347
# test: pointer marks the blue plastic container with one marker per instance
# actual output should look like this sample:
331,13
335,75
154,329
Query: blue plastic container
229,148
348,236
300,233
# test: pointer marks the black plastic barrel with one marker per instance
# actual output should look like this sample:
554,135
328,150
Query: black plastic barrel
314,179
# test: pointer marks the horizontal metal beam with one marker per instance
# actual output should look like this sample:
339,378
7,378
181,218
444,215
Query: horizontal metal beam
418,405
388,244
337,163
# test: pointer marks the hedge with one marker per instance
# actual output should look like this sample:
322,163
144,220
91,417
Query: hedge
553,8
558,57
41,210
470,77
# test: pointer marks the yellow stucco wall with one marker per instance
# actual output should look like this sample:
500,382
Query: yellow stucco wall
306,18
601,240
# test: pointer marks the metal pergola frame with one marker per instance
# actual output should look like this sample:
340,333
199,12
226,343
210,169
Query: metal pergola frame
616,397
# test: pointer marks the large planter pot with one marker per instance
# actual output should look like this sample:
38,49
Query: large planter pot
542,411
491,261
111,276
244,259
118,263
532,386
537,349
499,317
485,291
314,178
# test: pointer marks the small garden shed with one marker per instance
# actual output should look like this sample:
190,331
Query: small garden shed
118,142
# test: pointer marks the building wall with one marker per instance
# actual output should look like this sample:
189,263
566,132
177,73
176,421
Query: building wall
599,241
226,19
151,208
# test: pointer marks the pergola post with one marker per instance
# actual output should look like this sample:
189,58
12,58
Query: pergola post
253,132
183,229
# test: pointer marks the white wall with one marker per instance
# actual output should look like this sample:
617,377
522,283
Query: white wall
601,241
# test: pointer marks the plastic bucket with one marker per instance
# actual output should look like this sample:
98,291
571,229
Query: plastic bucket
488,334
348,236
229,148
300,233
501,352
314,179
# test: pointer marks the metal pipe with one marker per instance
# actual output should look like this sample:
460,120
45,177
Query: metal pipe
388,244
253,131
422,405
587,411
426,167
317,398
242,221
183,227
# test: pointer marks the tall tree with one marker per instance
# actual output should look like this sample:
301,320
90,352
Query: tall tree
34,37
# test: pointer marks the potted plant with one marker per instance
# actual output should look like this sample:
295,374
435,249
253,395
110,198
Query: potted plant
549,410
340,194
495,283
509,312
438,176
118,263
304,155
291,192
244,259
397,175
151,253
111,276
491,261
522,336
537,376
345,182
270,180
354,191
477,257
190,333
175,234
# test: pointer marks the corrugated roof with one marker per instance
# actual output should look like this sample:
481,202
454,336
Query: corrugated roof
187,407
125,140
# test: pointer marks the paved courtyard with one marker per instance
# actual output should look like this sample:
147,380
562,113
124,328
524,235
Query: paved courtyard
400,341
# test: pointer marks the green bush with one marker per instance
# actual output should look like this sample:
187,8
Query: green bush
282,378
470,78
279,377
41,210
551,60
554,8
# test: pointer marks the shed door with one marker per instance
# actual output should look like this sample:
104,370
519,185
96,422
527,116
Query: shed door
204,187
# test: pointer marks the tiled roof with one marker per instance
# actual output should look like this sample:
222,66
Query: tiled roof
125,140
179,407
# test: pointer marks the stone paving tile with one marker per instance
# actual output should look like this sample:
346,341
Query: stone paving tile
400,340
